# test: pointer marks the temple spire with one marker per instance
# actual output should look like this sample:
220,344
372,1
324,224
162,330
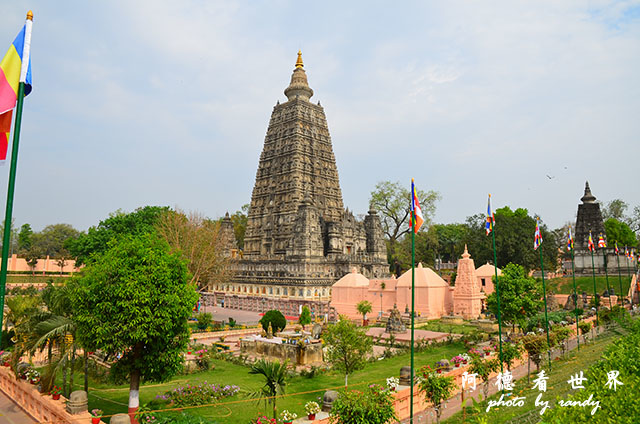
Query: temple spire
299,87
299,63
588,197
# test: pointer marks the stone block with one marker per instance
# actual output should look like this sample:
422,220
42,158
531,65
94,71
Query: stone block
327,400
78,402
120,419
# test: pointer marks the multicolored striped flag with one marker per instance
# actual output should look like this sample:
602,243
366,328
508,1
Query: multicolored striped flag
416,212
601,242
626,252
570,241
14,69
491,220
631,253
617,252
537,237
590,244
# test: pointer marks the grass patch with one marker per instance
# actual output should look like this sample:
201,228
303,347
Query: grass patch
557,386
438,325
238,409
564,285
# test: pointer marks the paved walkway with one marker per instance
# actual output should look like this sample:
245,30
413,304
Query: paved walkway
223,314
10,413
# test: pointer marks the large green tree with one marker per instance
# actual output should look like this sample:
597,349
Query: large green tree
134,301
392,201
347,347
619,231
25,238
88,247
51,241
520,296
514,232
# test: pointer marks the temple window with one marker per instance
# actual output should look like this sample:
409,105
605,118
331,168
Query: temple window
483,282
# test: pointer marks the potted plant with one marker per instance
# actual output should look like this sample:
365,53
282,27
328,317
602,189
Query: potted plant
288,417
55,392
486,350
393,383
312,408
457,360
96,414
465,358
440,365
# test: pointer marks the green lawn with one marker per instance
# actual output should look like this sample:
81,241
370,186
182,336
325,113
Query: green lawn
564,285
238,409
437,325
557,386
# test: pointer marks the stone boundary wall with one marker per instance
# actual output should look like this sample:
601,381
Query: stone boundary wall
39,406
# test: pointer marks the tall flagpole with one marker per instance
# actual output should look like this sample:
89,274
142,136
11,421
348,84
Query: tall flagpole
593,270
575,291
495,268
628,272
544,287
621,295
413,277
606,274
6,240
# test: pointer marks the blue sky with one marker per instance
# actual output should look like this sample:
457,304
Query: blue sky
167,103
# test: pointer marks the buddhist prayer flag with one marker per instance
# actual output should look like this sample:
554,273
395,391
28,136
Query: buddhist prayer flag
14,69
490,218
617,251
626,252
570,241
601,242
590,244
416,212
537,237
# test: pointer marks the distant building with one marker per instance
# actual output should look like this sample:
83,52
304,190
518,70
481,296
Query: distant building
300,239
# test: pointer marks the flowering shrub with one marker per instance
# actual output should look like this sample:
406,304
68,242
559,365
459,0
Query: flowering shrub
474,352
203,361
465,357
371,405
263,420
392,383
55,390
287,416
198,395
96,413
313,407
457,359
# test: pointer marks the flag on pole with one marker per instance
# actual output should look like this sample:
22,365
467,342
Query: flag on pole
491,220
631,253
570,241
617,251
415,209
590,244
537,238
601,242
626,252
15,68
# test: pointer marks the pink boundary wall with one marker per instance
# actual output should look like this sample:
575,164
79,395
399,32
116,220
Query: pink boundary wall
16,264
40,406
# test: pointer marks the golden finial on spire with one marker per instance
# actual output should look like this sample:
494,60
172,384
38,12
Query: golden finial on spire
299,63
30,15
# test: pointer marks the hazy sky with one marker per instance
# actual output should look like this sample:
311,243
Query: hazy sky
167,102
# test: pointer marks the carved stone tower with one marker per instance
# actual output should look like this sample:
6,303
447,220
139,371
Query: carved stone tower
467,297
589,218
300,239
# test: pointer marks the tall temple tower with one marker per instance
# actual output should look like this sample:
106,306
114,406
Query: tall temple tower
300,239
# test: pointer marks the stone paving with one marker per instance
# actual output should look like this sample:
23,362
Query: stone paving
10,413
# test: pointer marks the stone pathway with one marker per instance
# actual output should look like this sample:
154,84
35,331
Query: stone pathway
10,413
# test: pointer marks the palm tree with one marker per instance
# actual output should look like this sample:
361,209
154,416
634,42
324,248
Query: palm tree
275,380
364,307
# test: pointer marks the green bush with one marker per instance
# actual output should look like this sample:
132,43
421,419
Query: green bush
372,405
204,320
277,320
584,327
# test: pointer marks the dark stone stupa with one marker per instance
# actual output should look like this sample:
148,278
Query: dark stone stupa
589,219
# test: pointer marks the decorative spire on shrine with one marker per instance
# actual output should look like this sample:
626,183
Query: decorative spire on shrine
466,254
299,63
299,87
588,197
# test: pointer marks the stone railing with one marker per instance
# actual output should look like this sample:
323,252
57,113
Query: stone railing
41,407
